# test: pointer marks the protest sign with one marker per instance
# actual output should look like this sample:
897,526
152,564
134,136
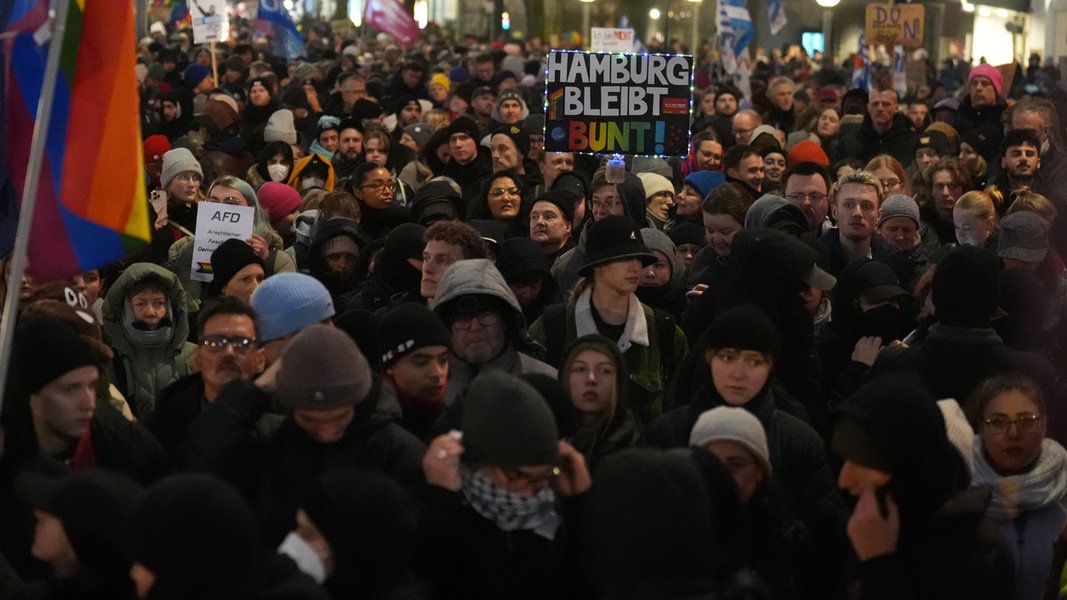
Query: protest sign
211,23
216,223
637,104
612,39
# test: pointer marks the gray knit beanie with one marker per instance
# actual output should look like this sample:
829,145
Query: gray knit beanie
177,161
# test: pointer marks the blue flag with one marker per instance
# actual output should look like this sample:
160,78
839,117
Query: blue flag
776,16
274,20
735,26
861,66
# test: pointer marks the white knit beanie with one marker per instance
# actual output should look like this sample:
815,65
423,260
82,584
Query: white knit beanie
733,424
177,161
280,127
655,183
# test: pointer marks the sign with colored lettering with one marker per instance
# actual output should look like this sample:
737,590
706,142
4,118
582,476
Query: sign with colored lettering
893,24
216,223
611,39
601,103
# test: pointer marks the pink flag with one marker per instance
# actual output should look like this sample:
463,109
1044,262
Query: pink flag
393,18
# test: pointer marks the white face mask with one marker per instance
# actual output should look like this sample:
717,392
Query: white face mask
305,557
278,172
310,182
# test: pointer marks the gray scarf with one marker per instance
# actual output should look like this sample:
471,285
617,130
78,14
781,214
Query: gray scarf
1042,485
144,338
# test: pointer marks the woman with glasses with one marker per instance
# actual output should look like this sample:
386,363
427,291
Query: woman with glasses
1028,474
891,174
375,189
503,199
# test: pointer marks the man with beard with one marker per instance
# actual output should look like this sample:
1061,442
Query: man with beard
857,198
805,185
349,154
228,351
1019,161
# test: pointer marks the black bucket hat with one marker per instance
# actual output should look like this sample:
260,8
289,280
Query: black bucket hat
611,239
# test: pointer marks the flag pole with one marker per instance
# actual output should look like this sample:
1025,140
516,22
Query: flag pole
29,195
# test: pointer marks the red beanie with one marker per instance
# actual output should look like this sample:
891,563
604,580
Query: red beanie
807,151
278,200
155,146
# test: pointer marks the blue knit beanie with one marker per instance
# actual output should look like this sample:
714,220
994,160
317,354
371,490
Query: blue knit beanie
288,302
194,74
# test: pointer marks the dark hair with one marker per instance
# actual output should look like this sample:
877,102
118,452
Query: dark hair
151,282
806,169
270,151
706,135
339,204
225,305
1019,137
990,388
727,199
479,207
733,157
459,234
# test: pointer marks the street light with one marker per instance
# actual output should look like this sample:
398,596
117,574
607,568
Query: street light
827,28
653,16
587,36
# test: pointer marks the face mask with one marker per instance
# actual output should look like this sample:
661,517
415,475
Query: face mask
310,182
305,557
509,510
277,172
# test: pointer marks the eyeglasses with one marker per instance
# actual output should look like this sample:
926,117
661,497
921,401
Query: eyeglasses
193,177
890,184
380,185
535,481
219,343
1000,424
485,319
801,196
501,191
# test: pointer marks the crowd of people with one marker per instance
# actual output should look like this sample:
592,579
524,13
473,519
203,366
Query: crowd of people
824,355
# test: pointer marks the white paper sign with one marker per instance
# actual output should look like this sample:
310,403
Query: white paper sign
211,21
612,39
216,223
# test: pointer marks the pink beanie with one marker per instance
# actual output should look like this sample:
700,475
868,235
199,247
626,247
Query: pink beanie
278,199
989,71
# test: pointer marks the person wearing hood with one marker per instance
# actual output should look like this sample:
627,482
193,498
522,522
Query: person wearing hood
398,270
312,171
773,212
487,328
741,352
56,372
146,320
594,376
605,302
498,490
193,536
917,530
355,534
225,152
522,263
176,114
336,411
274,164
661,282
257,113
333,255
78,518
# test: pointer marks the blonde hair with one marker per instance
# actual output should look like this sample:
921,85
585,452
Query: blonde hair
982,204
1026,199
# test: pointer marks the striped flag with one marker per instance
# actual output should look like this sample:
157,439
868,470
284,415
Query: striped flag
274,21
861,66
776,16
91,206
735,27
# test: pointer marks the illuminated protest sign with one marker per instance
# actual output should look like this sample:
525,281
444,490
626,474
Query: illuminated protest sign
607,103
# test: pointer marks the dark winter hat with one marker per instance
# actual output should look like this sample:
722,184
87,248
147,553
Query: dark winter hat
744,327
520,258
289,302
965,287
518,136
407,328
230,257
507,423
876,281
613,238
436,200
44,350
365,109
984,140
465,126
92,505
404,242
564,201
1023,236
221,112
790,255
936,140
294,96
899,205
194,74
193,532
420,132
322,369
688,233
573,183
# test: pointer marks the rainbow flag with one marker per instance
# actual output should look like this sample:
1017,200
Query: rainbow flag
91,205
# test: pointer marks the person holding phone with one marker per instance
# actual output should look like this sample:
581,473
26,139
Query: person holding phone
917,529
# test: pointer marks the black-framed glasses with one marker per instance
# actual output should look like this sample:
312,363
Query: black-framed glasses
219,343
486,318
801,196
380,185
1023,423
